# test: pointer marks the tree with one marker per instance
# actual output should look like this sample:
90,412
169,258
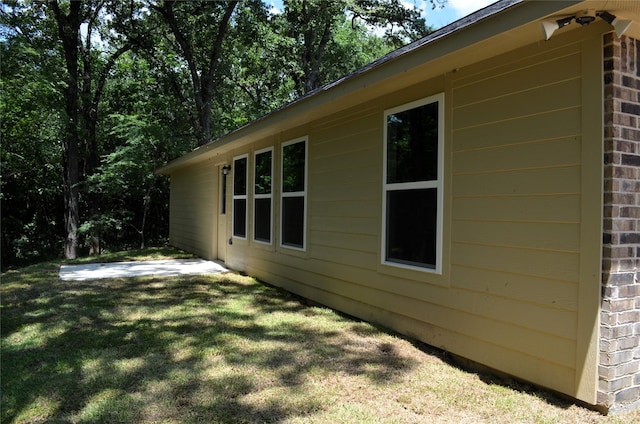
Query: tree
125,181
313,25
254,82
89,49
69,31
30,197
199,29
139,134
82,94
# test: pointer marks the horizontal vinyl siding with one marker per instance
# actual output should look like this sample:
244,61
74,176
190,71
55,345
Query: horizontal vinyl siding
192,209
344,176
516,209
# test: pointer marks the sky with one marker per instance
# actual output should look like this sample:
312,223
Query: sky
452,11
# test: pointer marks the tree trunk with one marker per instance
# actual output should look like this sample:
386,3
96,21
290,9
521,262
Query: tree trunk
69,30
71,181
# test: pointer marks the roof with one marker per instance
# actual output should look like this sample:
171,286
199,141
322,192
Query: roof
485,23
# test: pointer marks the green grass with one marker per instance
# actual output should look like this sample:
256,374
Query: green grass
228,349
149,254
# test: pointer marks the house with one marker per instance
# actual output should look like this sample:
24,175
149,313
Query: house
478,189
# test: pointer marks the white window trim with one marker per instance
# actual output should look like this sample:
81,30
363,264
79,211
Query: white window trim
437,184
283,195
244,196
263,196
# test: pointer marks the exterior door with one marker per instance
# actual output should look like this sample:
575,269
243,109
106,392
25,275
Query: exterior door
222,212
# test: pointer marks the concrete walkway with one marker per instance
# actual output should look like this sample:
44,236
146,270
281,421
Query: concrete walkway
135,269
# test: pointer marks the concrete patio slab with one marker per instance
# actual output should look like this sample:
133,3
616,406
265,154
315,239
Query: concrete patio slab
161,268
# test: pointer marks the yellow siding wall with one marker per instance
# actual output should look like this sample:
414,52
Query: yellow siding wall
516,211
513,244
192,210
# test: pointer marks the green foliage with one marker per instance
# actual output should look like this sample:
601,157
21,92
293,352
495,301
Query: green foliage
293,167
150,75
31,123
126,184
328,39
263,172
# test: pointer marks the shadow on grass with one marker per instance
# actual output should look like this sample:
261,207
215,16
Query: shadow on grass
200,348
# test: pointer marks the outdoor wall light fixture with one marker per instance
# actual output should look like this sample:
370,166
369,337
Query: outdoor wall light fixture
226,169
620,25
549,27
585,18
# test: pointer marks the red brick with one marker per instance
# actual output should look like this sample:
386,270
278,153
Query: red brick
630,212
610,292
630,186
623,198
628,394
621,279
620,383
630,160
618,305
621,252
627,343
627,369
630,238
610,319
625,145
624,225
606,373
624,119
630,291
612,211
629,317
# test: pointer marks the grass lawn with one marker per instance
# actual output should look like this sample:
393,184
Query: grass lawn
228,349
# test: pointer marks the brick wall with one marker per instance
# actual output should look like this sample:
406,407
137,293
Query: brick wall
619,370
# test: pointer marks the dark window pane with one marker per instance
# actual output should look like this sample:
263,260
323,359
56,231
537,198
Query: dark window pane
293,167
293,221
263,173
240,217
412,145
240,176
411,227
262,218
223,195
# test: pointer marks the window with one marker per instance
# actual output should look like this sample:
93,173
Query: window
223,189
294,194
412,198
240,170
262,210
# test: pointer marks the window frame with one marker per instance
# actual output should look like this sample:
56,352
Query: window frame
437,184
257,196
302,194
244,197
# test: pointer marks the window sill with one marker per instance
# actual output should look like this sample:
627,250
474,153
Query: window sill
414,273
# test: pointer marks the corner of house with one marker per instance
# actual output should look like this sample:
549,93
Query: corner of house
619,364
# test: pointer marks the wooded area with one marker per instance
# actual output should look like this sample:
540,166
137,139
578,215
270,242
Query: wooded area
97,94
